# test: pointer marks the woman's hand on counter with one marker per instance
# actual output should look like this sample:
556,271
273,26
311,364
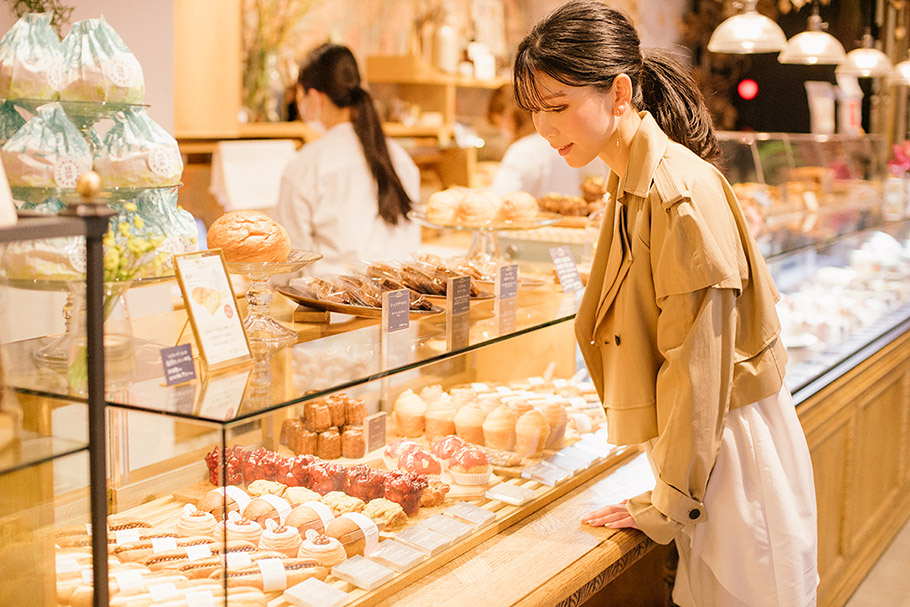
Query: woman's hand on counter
614,516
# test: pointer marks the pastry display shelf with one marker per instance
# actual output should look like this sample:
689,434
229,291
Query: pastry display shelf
109,195
82,113
165,511
31,449
364,350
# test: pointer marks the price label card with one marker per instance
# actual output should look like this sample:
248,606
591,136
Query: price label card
125,536
507,281
545,474
448,526
396,310
315,593
162,592
129,580
510,494
566,270
198,552
212,308
566,462
458,295
397,555
236,560
470,514
200,598
427,541
66,564
363,572
178,364
374,431
160,544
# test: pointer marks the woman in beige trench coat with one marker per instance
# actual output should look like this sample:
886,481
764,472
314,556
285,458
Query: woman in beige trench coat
677,325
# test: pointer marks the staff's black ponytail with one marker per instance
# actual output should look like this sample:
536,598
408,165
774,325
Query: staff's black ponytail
332,69
587,43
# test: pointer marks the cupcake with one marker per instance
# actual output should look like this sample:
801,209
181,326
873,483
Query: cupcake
470,466
469,423
557,418
445,446
489,402
431,393
280,538
499,429
440,417
239,528
410,412
531,433
196,522
420,461
327,550
393,451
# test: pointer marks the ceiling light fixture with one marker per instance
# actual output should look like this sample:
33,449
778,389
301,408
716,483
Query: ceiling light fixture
866,61
746,33
814,46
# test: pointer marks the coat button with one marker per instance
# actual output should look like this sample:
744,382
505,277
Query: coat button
616,339
693,514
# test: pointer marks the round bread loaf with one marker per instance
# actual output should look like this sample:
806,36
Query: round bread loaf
249,236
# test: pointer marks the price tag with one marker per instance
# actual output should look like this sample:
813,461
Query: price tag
458,331
66,564
125,536
274,577
198,552
129,580
162,592
397,556
315,593
566,270
396,309
470,514
506,311
567,462
545,474
507,281
458,295
374,431
447,526
178,364
160,544
362,572
427,541
200,598
236,560
510,494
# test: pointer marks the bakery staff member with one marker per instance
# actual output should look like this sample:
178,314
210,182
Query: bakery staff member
529,163
346,194
677,324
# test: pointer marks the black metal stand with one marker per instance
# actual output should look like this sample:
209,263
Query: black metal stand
95,216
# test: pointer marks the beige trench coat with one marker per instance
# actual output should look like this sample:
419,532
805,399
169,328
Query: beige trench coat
677,324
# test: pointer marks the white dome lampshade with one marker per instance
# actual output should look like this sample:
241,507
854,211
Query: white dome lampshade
813,46
746,33
901,74
866,62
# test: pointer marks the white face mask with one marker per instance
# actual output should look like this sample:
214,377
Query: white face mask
316,125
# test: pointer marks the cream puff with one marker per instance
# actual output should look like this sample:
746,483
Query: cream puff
280,538
327,550
196,522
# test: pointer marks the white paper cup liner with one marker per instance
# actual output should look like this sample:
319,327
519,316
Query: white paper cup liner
471,478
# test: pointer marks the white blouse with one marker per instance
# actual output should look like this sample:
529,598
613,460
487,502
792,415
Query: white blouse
328,202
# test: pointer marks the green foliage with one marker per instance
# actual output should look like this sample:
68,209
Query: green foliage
61,12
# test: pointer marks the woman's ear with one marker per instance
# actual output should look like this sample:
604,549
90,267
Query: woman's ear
622,93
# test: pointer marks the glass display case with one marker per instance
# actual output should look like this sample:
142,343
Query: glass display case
799,189
318,430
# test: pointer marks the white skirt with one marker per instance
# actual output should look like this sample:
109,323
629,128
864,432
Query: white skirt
759,544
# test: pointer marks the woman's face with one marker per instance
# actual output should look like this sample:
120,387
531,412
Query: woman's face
308,104
580,122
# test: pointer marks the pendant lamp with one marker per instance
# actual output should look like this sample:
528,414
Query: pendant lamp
901,74
746,33
866,62
813,46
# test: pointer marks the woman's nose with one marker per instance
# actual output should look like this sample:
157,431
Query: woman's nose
543,124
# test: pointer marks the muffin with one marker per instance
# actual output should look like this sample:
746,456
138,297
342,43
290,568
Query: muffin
557,418
440,417
499,429
410,414
469,423
531,433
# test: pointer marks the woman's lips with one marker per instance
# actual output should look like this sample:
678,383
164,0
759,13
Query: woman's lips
565,149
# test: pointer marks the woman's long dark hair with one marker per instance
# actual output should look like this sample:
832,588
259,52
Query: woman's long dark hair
332,69
585,42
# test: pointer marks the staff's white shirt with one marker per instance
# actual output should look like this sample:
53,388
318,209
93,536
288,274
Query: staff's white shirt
328,202
531,165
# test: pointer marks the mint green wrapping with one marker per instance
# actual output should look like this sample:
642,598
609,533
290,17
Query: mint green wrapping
51,259
31,59
137,152
98,66
10,121
47,152
159,209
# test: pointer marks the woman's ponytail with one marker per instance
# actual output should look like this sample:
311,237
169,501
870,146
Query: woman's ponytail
678,107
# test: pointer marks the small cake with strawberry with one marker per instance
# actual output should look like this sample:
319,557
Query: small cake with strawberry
395,449
420,461
470,466
445,446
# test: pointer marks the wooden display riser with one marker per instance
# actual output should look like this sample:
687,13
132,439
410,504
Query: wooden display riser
165,512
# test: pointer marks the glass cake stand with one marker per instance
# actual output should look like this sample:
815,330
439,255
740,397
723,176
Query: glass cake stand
484,242
259,324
